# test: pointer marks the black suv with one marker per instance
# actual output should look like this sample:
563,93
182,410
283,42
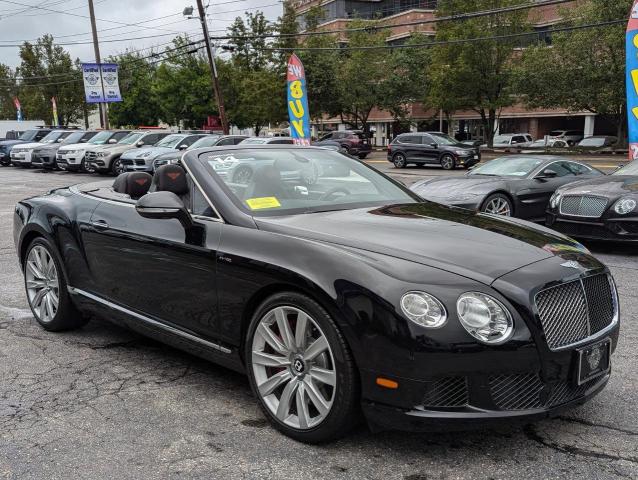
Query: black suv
434,148
353,142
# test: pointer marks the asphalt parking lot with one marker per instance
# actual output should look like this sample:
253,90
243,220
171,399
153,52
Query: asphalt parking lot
103,402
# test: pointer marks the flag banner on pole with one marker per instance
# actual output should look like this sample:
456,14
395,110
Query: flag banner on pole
16,102
54,107
298,102
111,83
632,81
93,90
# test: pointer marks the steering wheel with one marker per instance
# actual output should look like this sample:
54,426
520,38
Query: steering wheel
333,191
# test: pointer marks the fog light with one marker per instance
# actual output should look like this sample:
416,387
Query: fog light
423,309
484,317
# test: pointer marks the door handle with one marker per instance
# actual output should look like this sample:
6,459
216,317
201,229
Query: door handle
100,224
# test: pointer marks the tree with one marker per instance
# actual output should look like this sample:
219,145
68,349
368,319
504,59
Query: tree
52,74
476,74
8,90
583,70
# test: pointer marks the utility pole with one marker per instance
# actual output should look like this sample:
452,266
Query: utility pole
213,68
104,119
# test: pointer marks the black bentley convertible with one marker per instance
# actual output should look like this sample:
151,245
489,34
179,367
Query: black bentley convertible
333,287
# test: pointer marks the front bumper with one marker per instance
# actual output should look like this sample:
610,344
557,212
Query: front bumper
467,160
137,165
21,159
383,417
43,160
70,162
613,229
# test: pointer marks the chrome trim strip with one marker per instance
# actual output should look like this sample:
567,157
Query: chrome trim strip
201,190
155,323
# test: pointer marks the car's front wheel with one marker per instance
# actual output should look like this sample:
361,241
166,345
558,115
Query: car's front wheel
448,162
117,167
47,290
498,204
301,369
399,160
87,168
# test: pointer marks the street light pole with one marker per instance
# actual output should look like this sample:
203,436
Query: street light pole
213,68
104,119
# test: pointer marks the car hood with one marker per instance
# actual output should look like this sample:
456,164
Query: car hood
76,146
11,142
173,154
475,245
451,187
154,151
48,146
610,186
112,148
32,145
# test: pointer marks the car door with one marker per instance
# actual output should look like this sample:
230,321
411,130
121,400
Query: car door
429,152
410,145
148,266
536,197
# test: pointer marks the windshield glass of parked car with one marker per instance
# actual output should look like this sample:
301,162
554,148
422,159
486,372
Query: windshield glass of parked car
101,138
629,169
170,142
508,167
443,139
301,180
253,141
207,141
28,135
131,138
54,137
74,137
592,142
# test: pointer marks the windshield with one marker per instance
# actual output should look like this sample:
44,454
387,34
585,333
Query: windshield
207,141
28,135
74,137
131,138
53,137
100,138
442,139
170,142
592,142
630,169
557,133
301,180
501,139
508,167
253,141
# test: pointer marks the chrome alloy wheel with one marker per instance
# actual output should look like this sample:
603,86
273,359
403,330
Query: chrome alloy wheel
498,206
293,367
42,283
447,162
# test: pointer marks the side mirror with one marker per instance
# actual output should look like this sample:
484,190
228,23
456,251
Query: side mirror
164,205
112,140
434,145
546,174
183,146
140,143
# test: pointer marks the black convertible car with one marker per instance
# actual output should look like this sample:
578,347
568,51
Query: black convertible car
517,185
335,289
600,208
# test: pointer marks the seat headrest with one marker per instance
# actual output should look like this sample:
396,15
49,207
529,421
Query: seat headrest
170,178
133,184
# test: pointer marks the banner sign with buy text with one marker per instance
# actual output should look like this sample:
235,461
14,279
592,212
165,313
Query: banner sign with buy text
298,102
632,81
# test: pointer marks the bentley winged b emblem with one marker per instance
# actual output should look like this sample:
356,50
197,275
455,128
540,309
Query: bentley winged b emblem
571,264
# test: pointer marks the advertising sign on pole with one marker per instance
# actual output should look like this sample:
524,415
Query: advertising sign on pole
632,81
298,102
16,102
101,82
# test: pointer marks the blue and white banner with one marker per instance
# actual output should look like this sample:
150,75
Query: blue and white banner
632,81
101,82
298,102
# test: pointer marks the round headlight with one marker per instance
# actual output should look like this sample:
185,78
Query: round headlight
553,202
484,317
624,206
423,309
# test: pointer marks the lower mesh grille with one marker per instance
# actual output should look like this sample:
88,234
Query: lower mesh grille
446,392
516,391
564,392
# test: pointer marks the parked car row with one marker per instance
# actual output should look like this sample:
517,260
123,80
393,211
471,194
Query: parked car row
111,151
569,196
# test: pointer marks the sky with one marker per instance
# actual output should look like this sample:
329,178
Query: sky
22,20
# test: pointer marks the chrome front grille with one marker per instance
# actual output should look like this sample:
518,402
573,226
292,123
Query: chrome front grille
573,311
583,206
91,156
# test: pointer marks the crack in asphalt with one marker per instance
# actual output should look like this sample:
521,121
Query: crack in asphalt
593,424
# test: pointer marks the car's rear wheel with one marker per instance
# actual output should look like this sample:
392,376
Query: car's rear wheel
301,369
362,156
498,204
448,162
399,160
47,290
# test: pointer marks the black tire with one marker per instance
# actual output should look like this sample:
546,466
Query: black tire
399,160
86,169
66,317
362,156
344,413
491,203
448,162
345,149
117,167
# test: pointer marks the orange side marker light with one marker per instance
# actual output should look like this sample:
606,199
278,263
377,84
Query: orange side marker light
386,383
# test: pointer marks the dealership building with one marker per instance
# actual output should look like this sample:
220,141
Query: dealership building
515,119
